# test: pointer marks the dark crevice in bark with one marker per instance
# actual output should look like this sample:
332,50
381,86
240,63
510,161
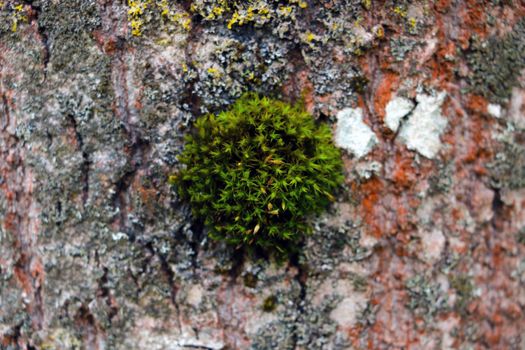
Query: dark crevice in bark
135,147
58,208
171,280
498,208
138,146
191,102
105,293
87,326
11,339
190,346
84,169
238,258
5,107
138,153
197,232
119,198
135,279
497,203
85,165
37,10
301,277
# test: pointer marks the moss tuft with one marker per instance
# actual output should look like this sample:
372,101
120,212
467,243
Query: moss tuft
255,172
269,304
250,280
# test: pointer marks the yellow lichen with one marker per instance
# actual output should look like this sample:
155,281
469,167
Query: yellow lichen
257,12
250,76
310,37
186,24
233,20
216,12
137,8
412,22
17,16
380,32
285,10
398,10
183,19
135,11
214,72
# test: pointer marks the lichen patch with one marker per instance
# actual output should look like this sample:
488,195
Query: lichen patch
352,134
422,131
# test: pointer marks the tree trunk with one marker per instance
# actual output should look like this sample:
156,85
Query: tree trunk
423,248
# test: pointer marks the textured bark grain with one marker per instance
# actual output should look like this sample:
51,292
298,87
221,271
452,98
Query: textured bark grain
423,248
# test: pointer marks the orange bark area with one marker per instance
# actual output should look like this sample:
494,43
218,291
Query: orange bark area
106,43
404,174
371,192
442,5
474,15
353,335
383,93
477,103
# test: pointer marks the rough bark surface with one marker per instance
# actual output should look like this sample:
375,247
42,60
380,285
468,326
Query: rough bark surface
424,247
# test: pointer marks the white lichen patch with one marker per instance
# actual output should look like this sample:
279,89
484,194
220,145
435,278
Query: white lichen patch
352,134
395,110
422,131
494,110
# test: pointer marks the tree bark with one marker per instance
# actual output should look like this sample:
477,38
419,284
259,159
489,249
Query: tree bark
424,247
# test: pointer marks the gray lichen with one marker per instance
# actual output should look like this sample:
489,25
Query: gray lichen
508,166
426,299
496,64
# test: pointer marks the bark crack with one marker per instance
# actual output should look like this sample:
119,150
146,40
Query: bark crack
171,281
301,277
86,162
42,36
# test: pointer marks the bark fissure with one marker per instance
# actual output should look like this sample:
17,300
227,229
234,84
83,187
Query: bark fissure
86,162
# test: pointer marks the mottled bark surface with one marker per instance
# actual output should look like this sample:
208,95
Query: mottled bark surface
424,247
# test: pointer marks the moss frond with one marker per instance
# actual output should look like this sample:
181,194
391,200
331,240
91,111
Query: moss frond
254,173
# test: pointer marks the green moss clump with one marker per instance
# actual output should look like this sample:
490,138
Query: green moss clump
255,172
269,304
250,280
